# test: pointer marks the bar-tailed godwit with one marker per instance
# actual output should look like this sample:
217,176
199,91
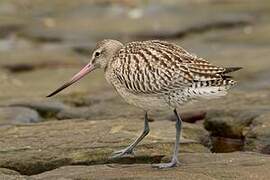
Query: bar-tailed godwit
156,75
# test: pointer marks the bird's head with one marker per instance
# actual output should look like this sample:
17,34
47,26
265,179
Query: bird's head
101,56
104,52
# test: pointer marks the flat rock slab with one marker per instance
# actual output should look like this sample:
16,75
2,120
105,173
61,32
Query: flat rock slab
203,166
32,149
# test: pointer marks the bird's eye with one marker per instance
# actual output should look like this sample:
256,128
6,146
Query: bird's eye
97,54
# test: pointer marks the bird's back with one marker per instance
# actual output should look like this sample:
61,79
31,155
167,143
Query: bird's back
165,70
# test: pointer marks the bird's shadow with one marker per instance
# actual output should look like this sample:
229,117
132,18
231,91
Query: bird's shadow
131,159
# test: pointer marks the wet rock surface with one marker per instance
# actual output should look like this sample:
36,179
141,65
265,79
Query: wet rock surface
71,136
258,136
13,115
46,108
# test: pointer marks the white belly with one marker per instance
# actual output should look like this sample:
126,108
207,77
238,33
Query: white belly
146,102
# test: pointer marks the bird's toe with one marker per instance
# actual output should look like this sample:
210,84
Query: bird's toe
122,153
173,163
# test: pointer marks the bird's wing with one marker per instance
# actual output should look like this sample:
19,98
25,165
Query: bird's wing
153,67
199,68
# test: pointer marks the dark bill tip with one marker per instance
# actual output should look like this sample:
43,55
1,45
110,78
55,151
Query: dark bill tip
87,69
58,90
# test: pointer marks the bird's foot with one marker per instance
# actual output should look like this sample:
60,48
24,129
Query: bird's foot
122,153
171,164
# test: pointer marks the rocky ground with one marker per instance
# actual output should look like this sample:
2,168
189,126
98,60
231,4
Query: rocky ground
72,135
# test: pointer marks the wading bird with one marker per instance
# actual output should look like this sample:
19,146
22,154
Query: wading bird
156,75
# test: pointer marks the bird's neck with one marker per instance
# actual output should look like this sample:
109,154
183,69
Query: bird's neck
113,57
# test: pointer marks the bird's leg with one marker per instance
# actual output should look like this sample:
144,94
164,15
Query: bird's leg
174,160
129,149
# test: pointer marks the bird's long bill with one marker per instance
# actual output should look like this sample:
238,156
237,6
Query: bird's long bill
87,69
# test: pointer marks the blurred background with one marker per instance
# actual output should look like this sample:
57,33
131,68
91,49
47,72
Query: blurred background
44,42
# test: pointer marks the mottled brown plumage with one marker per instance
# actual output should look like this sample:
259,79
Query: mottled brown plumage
156,75
164,74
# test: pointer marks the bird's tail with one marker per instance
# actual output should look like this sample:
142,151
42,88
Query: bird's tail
212,88
231,69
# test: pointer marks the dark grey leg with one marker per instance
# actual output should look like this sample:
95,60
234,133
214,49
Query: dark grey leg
174,160
129,149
